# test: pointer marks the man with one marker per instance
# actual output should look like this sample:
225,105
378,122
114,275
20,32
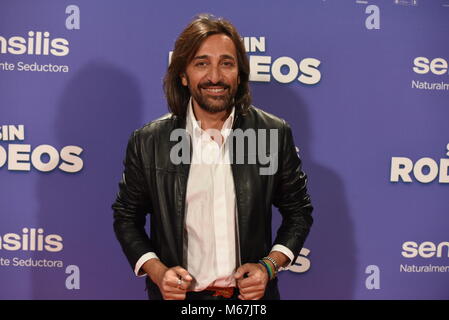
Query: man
209,200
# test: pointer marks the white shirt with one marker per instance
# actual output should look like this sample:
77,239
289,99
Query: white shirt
211,210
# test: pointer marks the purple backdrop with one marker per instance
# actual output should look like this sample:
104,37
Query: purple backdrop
363,84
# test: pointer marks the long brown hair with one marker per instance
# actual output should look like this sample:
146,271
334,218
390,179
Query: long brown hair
186,46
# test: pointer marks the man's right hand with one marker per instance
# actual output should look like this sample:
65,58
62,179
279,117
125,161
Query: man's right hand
172,282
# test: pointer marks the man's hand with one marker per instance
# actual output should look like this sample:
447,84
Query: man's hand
172,282
252,287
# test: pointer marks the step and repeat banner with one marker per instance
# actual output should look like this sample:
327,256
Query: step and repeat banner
363,84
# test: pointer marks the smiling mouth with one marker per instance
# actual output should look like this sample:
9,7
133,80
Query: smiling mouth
215,90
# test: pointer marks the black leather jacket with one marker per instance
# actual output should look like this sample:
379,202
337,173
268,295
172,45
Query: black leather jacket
152,184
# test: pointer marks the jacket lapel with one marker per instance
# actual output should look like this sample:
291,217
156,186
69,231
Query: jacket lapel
182,176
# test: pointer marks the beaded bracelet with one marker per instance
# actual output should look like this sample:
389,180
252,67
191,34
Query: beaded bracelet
276,267
270,271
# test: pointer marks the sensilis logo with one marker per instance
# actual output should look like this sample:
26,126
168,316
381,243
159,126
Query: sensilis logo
426,249
423,65
437,67
37,43
417,251
31,239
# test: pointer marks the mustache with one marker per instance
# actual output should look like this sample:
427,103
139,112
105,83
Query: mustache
205,85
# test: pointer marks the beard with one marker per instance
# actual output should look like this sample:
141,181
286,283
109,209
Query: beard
214,103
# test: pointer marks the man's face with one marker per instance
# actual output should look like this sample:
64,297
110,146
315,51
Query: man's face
212,75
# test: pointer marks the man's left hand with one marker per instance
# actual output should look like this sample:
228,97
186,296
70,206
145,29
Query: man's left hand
253,286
